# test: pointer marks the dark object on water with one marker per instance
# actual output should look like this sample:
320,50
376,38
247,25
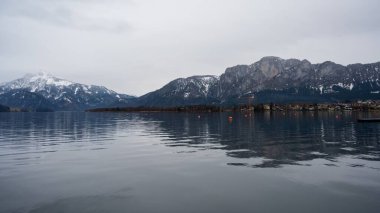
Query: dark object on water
368,119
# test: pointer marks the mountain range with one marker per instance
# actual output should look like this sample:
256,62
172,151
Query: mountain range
269,80
275,80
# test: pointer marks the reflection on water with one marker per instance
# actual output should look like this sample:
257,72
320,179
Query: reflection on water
277,138
87,159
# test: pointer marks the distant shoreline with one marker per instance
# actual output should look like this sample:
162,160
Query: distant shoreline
358,106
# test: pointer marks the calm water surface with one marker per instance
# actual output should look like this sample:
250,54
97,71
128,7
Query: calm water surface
179,162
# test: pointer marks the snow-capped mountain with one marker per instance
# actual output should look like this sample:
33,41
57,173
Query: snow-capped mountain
273,79
59,94
36,82
183,91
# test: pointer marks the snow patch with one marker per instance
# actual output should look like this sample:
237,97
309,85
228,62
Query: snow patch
351,86
345,86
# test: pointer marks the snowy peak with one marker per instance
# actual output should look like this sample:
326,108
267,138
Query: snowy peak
63,94
36,82
183,91
49,79
201,84
195,86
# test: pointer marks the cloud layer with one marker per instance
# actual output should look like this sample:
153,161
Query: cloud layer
137,46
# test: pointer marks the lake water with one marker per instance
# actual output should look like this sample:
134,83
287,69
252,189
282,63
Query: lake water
184,162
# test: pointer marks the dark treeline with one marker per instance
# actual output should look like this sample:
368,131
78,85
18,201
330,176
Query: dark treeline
198,108
4,108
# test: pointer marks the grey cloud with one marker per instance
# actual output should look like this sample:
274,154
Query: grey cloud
63,14
138,46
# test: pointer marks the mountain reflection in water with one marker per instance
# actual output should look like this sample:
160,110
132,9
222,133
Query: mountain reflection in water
275,137
189,162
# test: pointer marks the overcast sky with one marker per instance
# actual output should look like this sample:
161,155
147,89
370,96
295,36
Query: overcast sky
136,46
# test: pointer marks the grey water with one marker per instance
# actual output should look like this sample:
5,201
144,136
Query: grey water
187,162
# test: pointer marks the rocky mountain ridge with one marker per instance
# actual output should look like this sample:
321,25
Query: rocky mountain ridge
273,79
